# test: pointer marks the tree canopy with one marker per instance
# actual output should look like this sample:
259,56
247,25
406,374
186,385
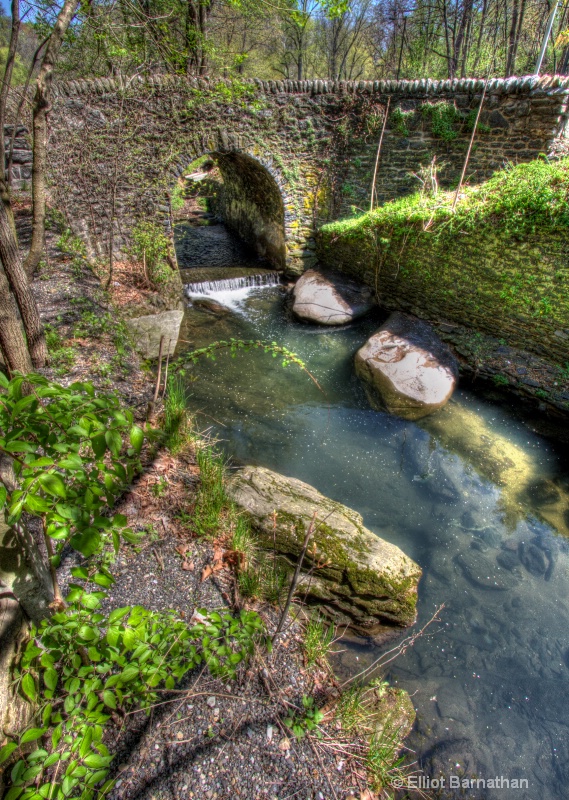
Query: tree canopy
297,39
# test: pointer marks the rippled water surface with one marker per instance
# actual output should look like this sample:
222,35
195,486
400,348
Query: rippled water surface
476,498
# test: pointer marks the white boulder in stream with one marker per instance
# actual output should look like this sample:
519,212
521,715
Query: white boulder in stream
330,299
361,580
406,368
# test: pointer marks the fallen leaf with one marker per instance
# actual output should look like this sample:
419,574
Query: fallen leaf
206,572
188,566
284,744
234,558
182,549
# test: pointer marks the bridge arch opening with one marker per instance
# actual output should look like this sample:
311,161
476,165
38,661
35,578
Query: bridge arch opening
239,191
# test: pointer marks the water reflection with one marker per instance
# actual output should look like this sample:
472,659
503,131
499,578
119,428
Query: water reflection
472,495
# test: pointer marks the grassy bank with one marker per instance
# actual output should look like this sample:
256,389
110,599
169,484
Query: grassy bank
498,262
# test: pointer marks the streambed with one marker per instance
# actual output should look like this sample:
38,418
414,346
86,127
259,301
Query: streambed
472,494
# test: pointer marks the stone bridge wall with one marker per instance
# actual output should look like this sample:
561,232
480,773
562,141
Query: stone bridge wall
117,146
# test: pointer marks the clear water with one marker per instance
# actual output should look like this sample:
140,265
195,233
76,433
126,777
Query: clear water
456,492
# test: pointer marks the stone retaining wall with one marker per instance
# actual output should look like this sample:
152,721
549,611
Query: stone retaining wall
20,163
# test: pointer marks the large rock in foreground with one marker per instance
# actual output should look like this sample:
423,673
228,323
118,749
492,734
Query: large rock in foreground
330,299
148,330
406,368
362,580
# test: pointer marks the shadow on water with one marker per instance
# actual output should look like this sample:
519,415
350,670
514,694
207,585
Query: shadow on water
473,495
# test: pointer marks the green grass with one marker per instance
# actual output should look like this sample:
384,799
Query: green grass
176,414
318,636
350,710
502,253
384,764
211,500
520,200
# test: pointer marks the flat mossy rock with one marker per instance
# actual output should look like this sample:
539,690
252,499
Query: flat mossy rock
406,368
393,714
360,579
330,299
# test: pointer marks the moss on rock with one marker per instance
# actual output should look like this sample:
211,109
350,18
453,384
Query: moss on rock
363,579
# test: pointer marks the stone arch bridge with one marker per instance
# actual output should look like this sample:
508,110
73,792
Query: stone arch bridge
292,154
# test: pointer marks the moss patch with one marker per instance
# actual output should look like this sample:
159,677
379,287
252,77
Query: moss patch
500,261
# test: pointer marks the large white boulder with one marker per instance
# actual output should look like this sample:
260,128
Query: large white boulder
406,368
330,299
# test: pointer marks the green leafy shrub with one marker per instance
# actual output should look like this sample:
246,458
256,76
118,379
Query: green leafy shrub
470,121
73,454
71,245
150,245
442,117
81,666
400,121
307,722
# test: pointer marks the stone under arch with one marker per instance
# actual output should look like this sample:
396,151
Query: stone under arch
251,204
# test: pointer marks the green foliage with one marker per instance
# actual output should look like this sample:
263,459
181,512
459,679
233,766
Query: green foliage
384,766
350,709
442,116
94,323
470,121
81,666
71,245
400,121
61,357
264,578
19,71
500,380
317,639
150,246
73,453
234,92
235,346
307,721
177,197
242,540
55,220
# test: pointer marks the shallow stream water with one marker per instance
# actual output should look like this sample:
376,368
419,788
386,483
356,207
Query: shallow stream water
472,494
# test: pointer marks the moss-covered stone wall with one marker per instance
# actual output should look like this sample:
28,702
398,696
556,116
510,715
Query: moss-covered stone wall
498,264
117,146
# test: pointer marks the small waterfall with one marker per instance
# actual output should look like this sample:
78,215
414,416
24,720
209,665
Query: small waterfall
211,288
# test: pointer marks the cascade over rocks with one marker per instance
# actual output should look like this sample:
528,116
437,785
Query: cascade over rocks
330,299
360,580
406,368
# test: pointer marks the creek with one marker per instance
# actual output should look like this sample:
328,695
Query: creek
472,494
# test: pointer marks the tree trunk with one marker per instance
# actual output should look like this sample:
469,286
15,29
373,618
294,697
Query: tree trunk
40,110
7,79
12,342
11,58
511,57
19,284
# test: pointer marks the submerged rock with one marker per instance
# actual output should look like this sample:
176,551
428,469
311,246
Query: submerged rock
406,368
360,579
485,572
210,306
330,299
